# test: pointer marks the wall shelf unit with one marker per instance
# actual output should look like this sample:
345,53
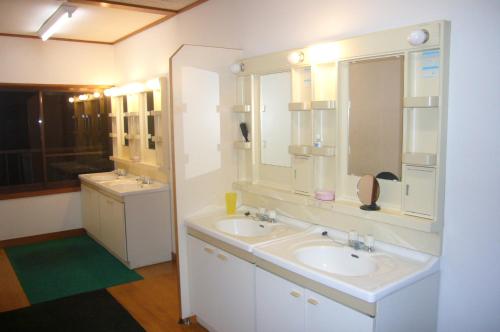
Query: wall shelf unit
242,108
421,102
326,105
243,145
324,151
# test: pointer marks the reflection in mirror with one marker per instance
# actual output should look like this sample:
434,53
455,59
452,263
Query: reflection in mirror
376,117
150,119
125,120
275,94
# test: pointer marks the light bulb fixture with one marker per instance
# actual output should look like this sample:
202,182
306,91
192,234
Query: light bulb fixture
71,99
153,84
237,68
295,57
97,94
111,92
83,97
55,21
418,37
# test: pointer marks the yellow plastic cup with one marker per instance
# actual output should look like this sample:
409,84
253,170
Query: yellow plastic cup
231,199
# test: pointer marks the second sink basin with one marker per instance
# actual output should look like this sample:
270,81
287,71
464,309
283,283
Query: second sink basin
243,227
338,260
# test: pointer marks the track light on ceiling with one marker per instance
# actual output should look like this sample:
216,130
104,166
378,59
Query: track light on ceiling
55,21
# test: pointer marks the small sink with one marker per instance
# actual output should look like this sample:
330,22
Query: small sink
243,227
338,260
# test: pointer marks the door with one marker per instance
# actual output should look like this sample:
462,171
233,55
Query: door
113,234
202,281
325,315
236,282
419,190
90,211
279,304
302,174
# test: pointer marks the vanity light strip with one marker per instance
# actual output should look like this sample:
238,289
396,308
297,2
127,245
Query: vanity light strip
245,255
364,307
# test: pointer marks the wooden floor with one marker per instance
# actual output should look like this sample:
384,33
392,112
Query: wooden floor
153,301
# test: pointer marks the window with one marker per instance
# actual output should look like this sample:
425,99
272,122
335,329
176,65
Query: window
48,137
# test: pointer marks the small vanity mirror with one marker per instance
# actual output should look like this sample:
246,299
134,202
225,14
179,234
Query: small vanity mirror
368,192
275,94
376,117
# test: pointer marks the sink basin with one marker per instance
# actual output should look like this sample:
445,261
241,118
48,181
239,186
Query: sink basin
338,260
243,227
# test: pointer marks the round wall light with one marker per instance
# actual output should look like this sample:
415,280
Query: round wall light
295,57
237,68
418,37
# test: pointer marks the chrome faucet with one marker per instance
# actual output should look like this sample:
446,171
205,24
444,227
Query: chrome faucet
353,242
144,180
261,215
356,244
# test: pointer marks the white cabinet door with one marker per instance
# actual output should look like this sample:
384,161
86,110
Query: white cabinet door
90,211
236,282
202,281
325,315
302,174
113,226
419,190
280,304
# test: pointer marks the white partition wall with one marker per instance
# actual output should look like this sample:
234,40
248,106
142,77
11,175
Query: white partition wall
204,131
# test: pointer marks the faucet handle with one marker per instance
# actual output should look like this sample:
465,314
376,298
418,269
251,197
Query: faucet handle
369,242
262,210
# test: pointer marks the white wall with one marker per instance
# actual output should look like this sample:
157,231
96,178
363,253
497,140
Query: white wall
470,293
32,61
39,215
26,60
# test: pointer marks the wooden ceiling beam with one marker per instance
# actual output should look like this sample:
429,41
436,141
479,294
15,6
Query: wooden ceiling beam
126,6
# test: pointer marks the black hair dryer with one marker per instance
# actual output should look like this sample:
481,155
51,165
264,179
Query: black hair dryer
244,131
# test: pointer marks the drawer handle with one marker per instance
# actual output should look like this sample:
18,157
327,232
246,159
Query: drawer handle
210,251
222,257
313,301
295,294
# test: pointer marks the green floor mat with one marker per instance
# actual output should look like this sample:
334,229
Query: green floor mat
59,268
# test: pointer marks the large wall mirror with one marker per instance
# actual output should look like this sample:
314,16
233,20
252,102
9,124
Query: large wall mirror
275,94
376,92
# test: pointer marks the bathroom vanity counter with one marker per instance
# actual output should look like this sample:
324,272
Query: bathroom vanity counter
121,186
328,260
241,231
130,219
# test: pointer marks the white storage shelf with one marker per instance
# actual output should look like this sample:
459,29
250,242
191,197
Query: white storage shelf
299,106
324,151
242,108
421,102
416,158
243,145
327,105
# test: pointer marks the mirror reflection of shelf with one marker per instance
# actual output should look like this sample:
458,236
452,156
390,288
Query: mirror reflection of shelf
325,151
113,135
323,105
420,159
421,102
154,113
243,145
131,114
242,108
300,150
156,139
132,137
112,115
299,106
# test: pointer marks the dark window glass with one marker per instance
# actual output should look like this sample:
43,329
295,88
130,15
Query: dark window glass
46,140
21,164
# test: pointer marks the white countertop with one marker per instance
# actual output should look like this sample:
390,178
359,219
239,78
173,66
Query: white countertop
121,185
396,267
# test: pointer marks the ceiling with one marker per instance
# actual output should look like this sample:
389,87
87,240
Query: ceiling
99,21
